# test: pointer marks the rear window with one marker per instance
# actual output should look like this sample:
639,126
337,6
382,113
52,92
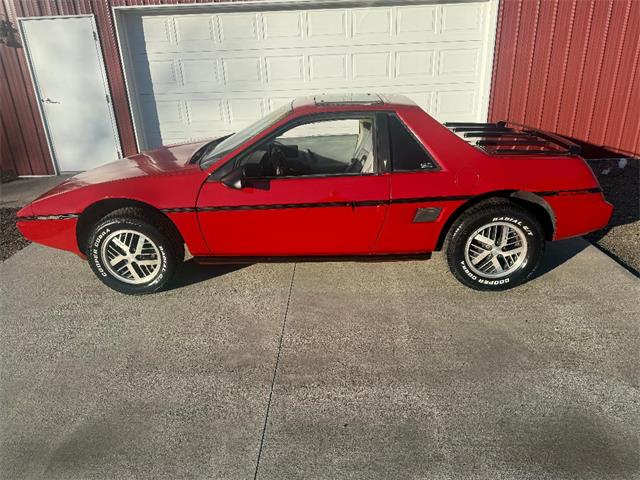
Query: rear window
407,154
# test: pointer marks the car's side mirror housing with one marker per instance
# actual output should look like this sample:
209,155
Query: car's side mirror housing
235,178
239,177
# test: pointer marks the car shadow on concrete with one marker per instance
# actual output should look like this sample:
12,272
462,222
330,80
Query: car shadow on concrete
191,272
558,252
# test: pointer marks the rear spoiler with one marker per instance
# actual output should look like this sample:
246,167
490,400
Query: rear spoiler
510,138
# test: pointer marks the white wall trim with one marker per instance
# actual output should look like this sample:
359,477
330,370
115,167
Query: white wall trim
490,46
122,43
283,4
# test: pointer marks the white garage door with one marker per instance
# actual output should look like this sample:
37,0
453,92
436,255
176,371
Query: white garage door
207,74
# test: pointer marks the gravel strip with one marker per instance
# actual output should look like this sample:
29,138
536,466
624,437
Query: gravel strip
11,240
620,180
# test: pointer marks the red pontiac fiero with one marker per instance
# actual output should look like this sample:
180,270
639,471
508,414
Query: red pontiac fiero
329,177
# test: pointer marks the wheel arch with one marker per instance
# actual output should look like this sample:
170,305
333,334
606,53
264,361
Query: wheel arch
94,212
532,202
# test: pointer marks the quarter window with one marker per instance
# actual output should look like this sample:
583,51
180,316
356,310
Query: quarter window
407,154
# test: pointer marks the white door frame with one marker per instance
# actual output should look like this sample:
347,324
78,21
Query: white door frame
36,86
261,5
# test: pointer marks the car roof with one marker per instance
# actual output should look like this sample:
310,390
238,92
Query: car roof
350,99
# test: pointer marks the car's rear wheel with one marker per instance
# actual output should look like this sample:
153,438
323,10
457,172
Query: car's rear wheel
134,252
495,245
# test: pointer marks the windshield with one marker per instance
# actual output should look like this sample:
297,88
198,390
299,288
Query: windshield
234,141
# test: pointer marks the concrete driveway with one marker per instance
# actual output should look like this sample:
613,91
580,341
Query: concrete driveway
320,370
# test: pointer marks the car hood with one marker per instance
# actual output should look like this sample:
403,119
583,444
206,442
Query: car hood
162,161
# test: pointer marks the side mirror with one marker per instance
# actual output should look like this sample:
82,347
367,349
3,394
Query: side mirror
238,177
235,178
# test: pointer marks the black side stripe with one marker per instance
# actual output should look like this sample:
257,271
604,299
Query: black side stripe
178,210
275,206
454,198
361,203
577,191
63,216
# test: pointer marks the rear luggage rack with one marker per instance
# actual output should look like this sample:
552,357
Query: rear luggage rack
507,138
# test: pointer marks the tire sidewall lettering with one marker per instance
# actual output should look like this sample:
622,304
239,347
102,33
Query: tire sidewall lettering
504,280
95,249
532,236
107,277
163,266
520,223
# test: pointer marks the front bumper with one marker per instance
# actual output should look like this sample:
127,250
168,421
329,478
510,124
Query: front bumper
52,232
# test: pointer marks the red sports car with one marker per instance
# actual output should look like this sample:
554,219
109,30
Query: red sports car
357,177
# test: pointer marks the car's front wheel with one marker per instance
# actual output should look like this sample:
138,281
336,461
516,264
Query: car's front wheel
495,246
133,252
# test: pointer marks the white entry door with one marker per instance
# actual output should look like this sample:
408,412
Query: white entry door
68,73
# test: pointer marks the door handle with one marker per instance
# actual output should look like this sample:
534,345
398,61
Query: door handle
48,100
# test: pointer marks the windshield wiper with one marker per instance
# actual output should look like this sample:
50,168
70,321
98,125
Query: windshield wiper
211,148
206,149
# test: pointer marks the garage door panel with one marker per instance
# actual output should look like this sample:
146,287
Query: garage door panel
193,29
327,25
312,28
199,71
300,68
371,22
279,26
462,19
207,74
415,64
416,22
288,68
211,115
242,71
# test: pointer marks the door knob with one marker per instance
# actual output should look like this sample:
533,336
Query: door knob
48,100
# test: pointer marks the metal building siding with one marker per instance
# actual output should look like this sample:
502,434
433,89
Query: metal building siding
571,67
23,145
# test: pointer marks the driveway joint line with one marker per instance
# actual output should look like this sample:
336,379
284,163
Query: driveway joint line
275,371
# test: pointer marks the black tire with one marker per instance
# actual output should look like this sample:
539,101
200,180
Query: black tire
160,234
503,214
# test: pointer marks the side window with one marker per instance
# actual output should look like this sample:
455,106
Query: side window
407,154
327,147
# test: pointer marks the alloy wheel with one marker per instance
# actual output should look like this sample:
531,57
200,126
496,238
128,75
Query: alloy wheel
496,250
131,256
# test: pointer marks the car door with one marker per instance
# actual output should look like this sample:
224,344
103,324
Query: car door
327,198
423,194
